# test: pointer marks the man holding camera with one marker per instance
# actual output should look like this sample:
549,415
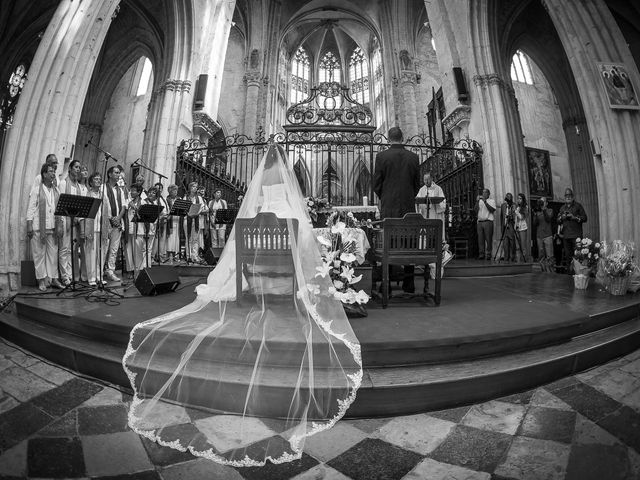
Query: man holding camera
571,217
485,207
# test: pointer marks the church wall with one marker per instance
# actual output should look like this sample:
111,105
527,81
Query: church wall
542,127
125,119
231,107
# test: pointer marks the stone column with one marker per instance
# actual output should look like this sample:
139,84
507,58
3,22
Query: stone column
408,81
169,109
504,158
589,34
253,81
48,114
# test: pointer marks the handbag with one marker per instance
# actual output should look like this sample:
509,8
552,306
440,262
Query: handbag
28,269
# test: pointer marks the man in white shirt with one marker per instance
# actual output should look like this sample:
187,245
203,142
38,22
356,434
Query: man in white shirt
43,229
485,207
72,186
116,201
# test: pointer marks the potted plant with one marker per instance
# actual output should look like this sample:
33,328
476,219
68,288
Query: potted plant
585,259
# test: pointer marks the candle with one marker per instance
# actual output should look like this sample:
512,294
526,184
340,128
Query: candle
365,201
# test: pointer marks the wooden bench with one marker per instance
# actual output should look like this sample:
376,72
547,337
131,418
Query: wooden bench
412,240
264,240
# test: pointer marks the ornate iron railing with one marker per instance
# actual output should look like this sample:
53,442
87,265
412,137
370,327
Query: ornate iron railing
329,107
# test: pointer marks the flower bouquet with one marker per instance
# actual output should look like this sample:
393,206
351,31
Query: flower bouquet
617,265
315,206
337,261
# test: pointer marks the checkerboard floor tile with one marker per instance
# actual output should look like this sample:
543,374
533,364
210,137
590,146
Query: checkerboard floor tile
580,427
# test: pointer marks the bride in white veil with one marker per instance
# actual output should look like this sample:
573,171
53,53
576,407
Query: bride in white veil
243,383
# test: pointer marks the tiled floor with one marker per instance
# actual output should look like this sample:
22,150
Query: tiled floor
56,425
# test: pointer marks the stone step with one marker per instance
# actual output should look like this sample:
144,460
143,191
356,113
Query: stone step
385,391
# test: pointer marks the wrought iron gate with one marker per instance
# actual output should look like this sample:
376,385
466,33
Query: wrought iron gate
332,146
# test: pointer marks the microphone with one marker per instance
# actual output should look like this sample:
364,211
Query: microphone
88,141
134,163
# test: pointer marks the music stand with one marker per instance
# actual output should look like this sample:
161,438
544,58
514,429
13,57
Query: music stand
75,206
226,215
180,207
148,213
428,201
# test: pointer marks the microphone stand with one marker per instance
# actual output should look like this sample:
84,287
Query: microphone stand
160,177
100,264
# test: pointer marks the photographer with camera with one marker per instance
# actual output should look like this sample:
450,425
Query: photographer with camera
485,207
508,223
571,217
543,221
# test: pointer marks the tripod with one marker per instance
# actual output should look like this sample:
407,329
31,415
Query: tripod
511,223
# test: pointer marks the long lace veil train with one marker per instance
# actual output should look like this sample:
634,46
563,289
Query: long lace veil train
243,383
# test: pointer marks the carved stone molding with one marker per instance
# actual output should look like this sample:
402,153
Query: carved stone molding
205,123
458,118
171,85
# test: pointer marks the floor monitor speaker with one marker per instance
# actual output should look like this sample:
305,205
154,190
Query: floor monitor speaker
157,280
211,255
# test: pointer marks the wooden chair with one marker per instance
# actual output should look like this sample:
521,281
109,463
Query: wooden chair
264,240
412,240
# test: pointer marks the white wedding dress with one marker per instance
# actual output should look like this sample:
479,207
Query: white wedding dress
246,384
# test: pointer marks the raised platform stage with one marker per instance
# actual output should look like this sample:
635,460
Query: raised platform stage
491,336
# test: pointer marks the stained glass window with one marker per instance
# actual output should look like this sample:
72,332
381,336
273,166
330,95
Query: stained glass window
300,73
359,76
329,68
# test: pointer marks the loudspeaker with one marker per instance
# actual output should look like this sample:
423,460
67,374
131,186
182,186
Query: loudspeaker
211,255
458,75
201,91
157,280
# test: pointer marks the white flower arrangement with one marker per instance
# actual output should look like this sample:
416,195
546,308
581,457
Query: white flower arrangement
337,262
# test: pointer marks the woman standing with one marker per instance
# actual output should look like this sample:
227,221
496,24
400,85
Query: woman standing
90,234
522,226
194,224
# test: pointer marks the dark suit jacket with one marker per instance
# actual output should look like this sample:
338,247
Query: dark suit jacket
396,181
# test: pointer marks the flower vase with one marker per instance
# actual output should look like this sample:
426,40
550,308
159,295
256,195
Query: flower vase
618,285
580,281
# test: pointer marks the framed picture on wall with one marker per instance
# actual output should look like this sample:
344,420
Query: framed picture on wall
539,167
618,85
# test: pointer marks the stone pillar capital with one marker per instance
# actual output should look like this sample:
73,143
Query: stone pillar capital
252,79
489,79
408,77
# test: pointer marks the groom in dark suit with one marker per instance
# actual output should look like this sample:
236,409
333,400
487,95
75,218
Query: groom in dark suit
396,181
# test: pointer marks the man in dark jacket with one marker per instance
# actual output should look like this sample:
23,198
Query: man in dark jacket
396,181
571,216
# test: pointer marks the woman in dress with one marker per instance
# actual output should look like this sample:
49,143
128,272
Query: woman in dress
243,384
